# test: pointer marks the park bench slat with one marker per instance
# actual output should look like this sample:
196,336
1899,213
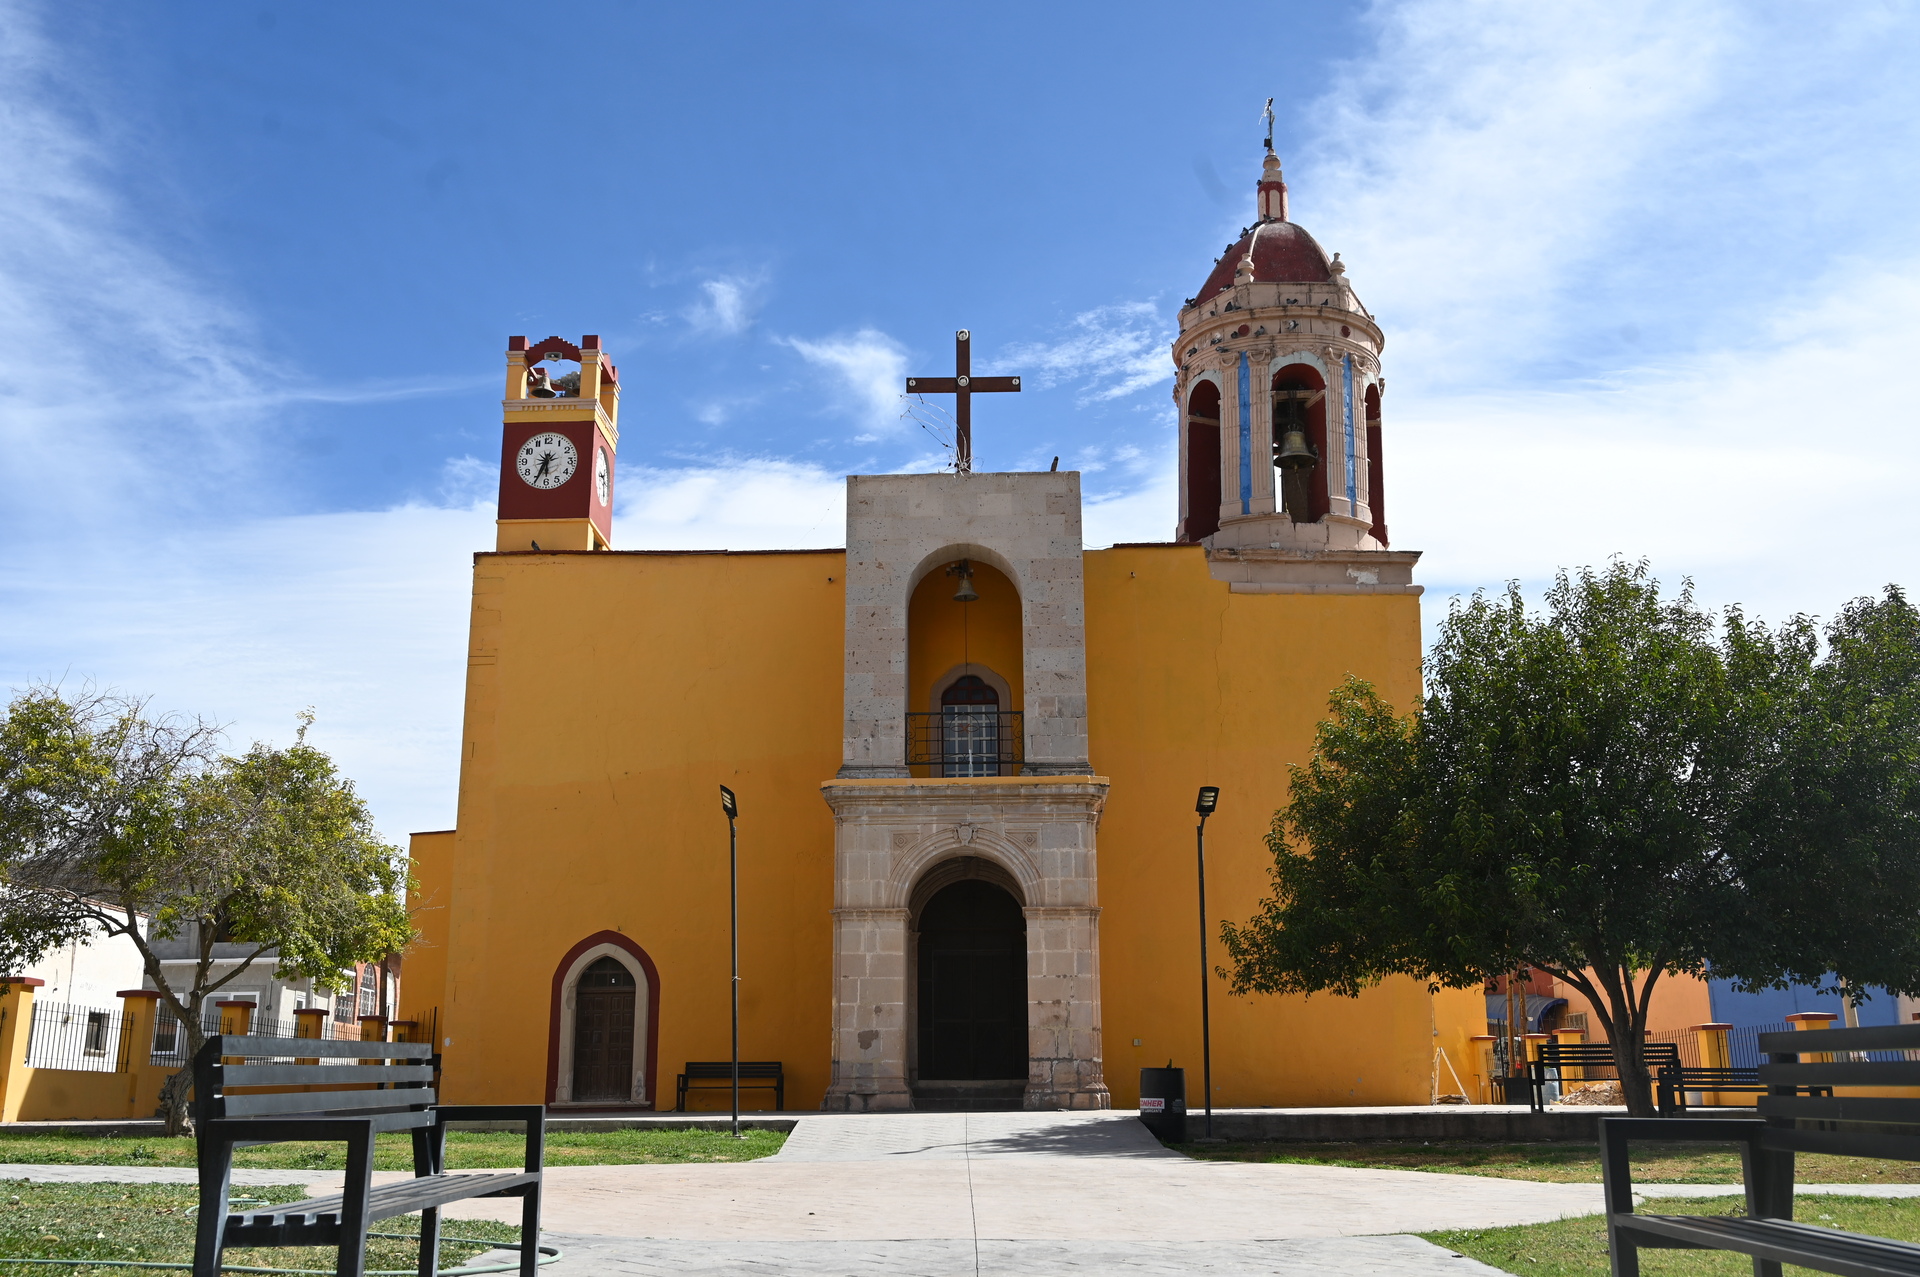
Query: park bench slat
1845,1108
325,1102
248,1045
402,1197
232,1075
1843,1073
1786,1241
1880,1037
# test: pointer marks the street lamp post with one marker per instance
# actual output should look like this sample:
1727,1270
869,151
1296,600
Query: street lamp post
1203,806
732,808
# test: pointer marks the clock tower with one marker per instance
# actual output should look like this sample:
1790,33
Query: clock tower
561,428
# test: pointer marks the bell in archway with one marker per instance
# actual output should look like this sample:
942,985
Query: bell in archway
1295,452
966,593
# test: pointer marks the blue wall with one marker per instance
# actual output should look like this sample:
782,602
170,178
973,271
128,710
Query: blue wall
1771,1006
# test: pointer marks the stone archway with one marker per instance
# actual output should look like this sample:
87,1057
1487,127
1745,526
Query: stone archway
604,985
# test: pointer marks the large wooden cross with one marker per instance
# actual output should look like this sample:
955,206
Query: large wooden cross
963,385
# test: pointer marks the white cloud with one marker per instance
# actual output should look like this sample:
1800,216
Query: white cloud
362,616
1112,351
750,504
869,374
728,304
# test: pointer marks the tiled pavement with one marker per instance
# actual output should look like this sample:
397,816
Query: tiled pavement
1037,1194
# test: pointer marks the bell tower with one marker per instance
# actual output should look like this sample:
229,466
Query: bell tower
558,439
1278,392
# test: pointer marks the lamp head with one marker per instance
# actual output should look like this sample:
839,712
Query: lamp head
1208,800
727,803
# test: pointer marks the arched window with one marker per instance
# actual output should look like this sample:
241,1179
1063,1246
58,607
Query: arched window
1203,463
1300,402
970,727
1376,486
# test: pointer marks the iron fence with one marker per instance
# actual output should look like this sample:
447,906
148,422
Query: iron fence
967,740
66,1035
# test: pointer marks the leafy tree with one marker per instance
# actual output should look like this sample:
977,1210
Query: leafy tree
1616,791
107,815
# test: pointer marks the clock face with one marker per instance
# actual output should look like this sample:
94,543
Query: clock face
602,475
547,461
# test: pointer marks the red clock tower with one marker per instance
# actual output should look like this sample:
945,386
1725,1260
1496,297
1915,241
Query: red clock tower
557,445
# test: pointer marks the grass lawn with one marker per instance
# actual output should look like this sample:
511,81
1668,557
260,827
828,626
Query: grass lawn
1559,1163
155,1222
1578,1247
466,1150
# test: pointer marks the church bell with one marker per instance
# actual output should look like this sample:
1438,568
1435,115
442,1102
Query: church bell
966,593
1295,451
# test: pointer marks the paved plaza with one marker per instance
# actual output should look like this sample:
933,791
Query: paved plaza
1035,1194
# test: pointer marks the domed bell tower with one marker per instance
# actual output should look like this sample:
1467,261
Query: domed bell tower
1279,392
557,446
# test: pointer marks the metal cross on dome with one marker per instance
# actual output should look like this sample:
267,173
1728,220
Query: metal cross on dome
963,385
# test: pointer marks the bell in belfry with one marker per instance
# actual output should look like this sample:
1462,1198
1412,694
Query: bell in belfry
1294,454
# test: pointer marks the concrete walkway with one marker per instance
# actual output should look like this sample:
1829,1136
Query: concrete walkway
1037,1194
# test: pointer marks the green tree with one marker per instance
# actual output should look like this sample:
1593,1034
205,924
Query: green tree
1615,791
107,815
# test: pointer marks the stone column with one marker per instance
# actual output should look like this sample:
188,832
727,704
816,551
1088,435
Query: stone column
1064,1056
869,1011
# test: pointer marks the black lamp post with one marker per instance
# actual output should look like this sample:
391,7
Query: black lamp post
731,807
1203,806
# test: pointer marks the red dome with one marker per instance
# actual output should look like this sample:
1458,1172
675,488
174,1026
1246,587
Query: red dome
1282,254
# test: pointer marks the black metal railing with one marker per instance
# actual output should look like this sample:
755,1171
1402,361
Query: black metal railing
66,1035
967,740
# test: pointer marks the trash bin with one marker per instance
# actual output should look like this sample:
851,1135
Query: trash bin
1163,1103
1518,1089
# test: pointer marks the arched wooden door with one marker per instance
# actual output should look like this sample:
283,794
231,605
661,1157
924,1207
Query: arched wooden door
603,1032
973,985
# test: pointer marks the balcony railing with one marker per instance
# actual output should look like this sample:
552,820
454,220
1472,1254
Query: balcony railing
967,740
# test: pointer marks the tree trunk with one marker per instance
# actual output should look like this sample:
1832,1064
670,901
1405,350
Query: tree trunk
1636,1084
174,1105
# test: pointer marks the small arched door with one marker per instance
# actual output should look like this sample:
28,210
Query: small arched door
973,985
603,1032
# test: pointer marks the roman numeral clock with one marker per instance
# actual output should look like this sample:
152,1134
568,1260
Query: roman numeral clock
558,440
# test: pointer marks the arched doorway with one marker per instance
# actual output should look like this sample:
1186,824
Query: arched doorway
603,1022
603,1037
972,960
1203,463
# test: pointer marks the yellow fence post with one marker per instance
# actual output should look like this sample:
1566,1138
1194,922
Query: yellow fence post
310,1022
1569,1072
236,1017
1813,1020
1485,1041
1712,1041
403,1030
139,1009
16,1030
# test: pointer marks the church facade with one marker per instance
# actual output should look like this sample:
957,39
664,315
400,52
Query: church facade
965,750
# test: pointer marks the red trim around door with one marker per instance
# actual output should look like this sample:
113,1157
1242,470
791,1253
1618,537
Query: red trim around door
620,941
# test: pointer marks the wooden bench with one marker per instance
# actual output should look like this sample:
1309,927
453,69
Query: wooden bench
762,1075
1790,1122
1676,1080
310,1089
1586,1055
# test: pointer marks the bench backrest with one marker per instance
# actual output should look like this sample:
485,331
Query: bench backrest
1860,1126
724,1068
389,1082
1600,1054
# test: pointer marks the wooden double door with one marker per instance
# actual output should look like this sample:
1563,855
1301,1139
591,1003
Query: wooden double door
973,985
605,1001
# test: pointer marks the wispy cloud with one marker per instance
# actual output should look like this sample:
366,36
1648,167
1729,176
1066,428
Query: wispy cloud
1110,352
729,503
727,304
868,373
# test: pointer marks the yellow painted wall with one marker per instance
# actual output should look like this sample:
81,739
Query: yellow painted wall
610,694
608,697
423,983
1189,685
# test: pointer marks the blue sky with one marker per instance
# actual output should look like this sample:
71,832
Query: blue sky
1650,277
